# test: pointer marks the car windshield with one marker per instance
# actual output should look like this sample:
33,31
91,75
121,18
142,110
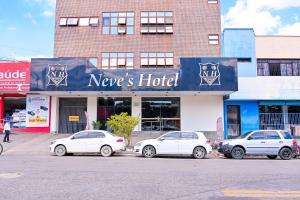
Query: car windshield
244,135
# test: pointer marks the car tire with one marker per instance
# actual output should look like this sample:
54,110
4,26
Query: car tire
106,151
227,155
237,153
273,157
1,149
149,151
199,153
285,153
60,150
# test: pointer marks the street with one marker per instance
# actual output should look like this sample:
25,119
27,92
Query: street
29,176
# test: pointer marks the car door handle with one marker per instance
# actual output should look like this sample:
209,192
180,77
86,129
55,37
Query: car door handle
263,142
280,142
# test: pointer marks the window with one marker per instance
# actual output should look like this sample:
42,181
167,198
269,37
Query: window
72,21
117,60
212,1
160,113
171,136
233,121
257,136
213,39
244,60
81,135
272,135
188,136
118,23
156,22
82,21
157,59
63,22
286,135
109,106
277,67
94,134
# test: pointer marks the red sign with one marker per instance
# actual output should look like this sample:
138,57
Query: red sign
15,76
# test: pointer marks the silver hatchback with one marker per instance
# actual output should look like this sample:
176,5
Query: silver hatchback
271,143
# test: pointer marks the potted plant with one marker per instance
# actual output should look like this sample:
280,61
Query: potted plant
97,125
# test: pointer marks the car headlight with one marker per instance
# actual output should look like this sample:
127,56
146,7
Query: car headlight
138,144
53,142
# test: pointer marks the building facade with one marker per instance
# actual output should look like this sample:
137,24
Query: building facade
175,45
269,85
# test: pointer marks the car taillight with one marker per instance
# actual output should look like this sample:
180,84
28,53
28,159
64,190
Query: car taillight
294,142
120,140
208,141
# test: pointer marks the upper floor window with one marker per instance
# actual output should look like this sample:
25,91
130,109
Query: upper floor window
276,67
213,39
118,23
156,22
117,60
212,1
79,21
157,59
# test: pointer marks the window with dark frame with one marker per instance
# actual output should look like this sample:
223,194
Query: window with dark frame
156,22
277,67
117,60
115,23
157,60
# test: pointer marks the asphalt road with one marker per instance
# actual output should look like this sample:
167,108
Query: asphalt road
43,177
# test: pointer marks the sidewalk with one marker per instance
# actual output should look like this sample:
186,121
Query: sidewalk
26,143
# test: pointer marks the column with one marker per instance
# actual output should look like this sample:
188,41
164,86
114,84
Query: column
92,110
54,115
136,111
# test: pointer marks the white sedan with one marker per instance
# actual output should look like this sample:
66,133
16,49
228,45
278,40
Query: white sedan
88,141
175,142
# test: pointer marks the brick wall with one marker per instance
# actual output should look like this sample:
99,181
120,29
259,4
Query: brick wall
193,21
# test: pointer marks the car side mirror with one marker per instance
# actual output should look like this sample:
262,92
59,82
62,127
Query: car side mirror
72,138
161,139
249,138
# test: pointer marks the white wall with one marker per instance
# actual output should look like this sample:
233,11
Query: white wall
137,110
54,114
268,88
200,113
92,110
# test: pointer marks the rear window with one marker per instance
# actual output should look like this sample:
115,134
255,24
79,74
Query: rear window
286,135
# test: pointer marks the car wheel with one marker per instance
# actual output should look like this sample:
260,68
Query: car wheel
1,149
60,150
149,152
286,153
199,152
237,153
272,156
227,155
106,151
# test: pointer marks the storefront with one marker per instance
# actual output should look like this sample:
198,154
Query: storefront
188,98
14,105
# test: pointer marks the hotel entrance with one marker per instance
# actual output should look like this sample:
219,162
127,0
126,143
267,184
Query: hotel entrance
72,114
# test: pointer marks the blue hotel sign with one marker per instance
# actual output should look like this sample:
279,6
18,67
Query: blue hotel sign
77,74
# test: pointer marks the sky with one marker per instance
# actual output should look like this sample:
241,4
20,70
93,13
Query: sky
27,26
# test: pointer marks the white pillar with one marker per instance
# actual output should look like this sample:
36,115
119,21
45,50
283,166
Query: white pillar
136,111
92,109
54,114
